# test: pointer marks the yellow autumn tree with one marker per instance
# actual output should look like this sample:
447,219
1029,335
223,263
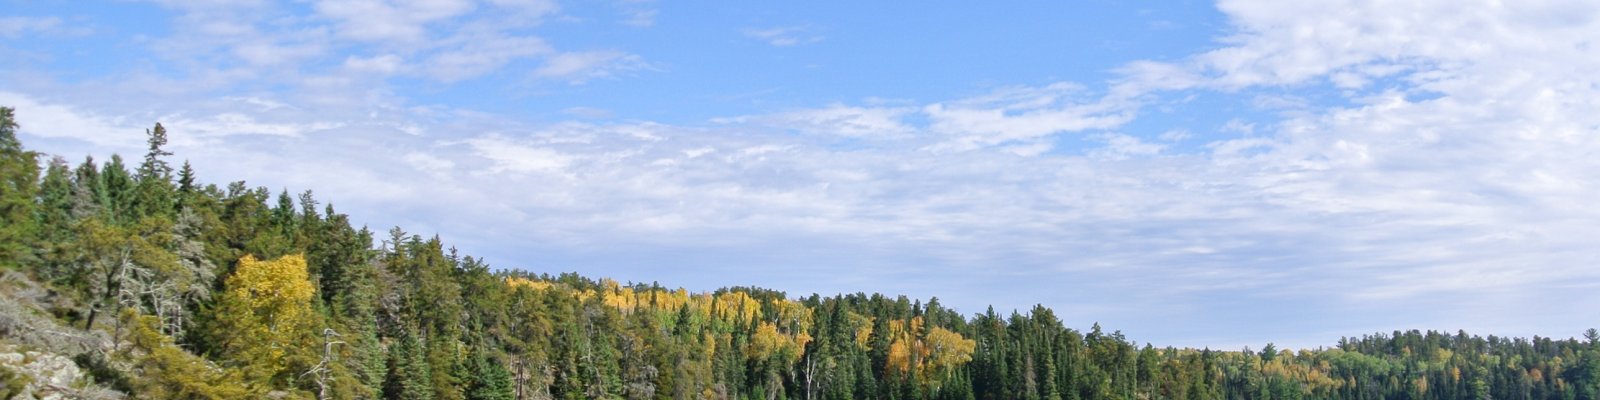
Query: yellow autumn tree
517,282
863,330
737,306
265,324
947,351
774,353
930,359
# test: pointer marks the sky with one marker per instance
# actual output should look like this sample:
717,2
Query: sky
1190,173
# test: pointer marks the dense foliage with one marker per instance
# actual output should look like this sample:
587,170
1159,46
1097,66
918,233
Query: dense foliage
230,292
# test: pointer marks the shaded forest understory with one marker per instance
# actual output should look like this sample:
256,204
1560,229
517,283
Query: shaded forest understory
156,285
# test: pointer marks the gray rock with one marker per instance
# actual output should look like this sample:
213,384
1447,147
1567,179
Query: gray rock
50,376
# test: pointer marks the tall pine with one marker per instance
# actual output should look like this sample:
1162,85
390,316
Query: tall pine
19,176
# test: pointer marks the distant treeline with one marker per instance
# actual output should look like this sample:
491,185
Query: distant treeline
233,292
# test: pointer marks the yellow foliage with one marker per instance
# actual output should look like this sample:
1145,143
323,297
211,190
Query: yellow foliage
928,359
736,306
622,299
801,340
863,327
710,342
278,291
266,314
768,344
794,316
765,342
516,282
900,354
948,350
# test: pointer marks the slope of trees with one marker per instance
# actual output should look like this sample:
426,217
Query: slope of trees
233,292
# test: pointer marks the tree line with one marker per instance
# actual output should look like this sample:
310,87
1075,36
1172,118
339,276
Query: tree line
223,292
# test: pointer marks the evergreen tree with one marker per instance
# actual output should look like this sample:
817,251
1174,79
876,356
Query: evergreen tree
155,195
19,175
55,219
117,192
489,378
409,376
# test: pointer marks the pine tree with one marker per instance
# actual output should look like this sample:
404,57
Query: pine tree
120,189
19,175
409,376
489,378
55,219
154,178
186,183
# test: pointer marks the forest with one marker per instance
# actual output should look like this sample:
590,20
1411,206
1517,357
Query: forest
134,278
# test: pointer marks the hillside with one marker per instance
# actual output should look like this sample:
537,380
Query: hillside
155,284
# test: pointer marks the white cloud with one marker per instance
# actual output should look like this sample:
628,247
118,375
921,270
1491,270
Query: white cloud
1120,146
233,123
1143,77
640,18
838,120
273,54
580,67
66,121
428,163
529,8
14,27
387,64
384,20
1238,126
1023,114
1175,135
359,45
510,156
588,112
785,36
482,54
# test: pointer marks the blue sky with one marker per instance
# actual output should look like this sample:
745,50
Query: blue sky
1191,173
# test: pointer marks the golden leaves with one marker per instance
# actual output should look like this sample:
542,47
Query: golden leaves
863,330
928,358
516,282
277,291
266,312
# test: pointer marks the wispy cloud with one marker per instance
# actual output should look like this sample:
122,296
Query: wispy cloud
65,121
370,41
389,21
481,53
580,67
14,27
785,36
839,120
1023,114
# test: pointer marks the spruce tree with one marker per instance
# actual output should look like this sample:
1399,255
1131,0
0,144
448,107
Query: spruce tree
409,376
489,378
19,175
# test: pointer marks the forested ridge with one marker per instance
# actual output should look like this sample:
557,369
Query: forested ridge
158,285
